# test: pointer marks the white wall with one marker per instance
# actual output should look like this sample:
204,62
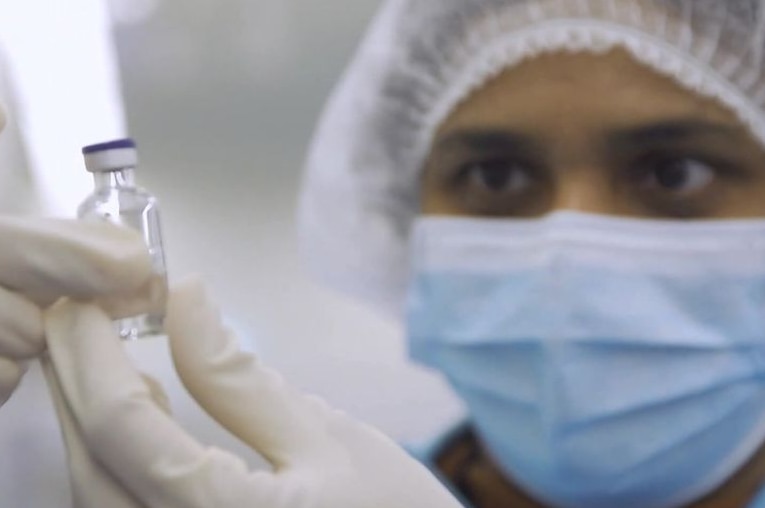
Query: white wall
222,97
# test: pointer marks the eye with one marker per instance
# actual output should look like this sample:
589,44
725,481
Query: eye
497,176
677,176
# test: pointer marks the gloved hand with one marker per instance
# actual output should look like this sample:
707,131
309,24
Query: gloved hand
44,259
322,458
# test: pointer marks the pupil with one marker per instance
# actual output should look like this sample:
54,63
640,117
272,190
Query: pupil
673,176
495,179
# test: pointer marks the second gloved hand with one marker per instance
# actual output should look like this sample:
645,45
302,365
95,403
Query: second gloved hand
321,458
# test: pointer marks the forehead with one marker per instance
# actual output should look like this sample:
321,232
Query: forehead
584,90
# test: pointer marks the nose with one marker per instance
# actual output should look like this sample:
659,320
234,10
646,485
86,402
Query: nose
586,190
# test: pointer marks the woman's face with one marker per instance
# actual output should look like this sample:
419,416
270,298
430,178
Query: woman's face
593,133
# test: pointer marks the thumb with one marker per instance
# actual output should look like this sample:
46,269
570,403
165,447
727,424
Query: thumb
92,486
130,436
251,401
113,408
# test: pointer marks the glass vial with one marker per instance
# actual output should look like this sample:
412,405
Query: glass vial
117,199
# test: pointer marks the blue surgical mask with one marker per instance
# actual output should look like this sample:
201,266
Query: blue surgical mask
605,362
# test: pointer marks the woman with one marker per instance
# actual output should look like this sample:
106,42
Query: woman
564,200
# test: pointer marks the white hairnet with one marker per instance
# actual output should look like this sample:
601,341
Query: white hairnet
422,57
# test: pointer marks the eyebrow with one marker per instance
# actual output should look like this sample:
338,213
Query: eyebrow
670,131
482,140
663,131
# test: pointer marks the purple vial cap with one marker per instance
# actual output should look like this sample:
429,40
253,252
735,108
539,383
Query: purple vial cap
109,145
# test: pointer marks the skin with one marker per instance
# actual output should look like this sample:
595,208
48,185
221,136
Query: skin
593,133
600,134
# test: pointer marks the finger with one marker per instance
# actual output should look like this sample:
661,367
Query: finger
92,486
21,327
150,298
126,432
45,259
157,393
10,375
252,402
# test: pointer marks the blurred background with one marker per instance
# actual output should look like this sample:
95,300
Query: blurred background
222,97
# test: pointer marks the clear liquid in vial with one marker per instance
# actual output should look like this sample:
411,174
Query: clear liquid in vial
118,200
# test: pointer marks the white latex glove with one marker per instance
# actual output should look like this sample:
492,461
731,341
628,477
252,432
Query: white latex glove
322,458
44,259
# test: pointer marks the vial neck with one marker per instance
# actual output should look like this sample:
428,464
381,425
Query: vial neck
118,178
